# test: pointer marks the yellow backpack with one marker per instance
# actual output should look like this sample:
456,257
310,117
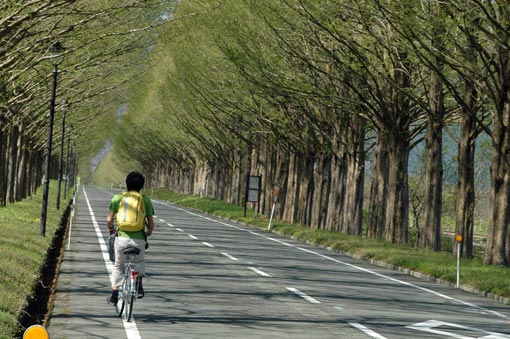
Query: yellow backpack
131,214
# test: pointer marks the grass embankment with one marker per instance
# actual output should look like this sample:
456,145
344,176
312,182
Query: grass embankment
442,265
22,254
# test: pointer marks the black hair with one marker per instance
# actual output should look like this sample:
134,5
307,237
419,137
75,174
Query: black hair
135,181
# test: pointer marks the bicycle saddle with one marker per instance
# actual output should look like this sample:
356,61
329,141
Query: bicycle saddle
132,251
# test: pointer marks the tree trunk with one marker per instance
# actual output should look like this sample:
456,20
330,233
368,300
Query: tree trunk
465,202
378,190
20,191
397,211
352,212
292,189
3,176
496,252
430,235
11,163
335,198
322,179
497,239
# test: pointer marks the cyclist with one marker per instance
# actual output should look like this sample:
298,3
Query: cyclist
130,237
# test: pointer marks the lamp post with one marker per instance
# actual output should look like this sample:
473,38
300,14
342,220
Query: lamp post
69,129
56,57
65,108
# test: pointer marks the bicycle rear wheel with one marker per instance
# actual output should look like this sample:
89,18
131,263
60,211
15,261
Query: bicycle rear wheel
120,305
130,286
128,306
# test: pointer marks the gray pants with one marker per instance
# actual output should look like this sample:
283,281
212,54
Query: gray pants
121,244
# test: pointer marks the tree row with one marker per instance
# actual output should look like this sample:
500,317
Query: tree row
326,99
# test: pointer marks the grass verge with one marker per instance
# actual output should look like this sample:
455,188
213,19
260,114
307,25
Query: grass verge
442,265
22,255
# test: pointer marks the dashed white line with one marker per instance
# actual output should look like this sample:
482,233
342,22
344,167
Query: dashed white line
162,220
229,256
192,236
259,272
365,270
303,295
367,331
180,230
169,224
207,244
383,276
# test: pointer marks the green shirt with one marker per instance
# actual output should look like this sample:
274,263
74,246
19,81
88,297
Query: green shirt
149,211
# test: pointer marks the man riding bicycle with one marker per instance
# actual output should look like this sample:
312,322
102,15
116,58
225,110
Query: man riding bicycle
133,212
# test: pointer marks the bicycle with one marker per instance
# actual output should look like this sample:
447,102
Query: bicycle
128,291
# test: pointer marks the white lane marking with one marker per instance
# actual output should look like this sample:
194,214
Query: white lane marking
180,230
129,327
259,272
429,326
229,256
367,331
192,236
169,224
207,244
424,289
303,295
162,220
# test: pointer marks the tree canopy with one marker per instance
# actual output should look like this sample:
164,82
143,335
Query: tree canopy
326,99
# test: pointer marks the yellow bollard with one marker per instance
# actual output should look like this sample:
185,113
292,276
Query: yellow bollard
36,332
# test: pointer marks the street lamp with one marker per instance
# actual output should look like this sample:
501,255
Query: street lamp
69,129
65,109
56,57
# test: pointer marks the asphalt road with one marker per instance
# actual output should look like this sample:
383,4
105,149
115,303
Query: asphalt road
211,278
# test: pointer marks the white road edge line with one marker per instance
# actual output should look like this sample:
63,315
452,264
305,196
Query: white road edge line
367,331
129,327
259,272
229,256
303,295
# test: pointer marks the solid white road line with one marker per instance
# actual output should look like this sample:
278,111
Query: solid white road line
303,295
129,327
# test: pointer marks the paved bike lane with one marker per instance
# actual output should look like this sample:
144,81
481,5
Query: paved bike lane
80,307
